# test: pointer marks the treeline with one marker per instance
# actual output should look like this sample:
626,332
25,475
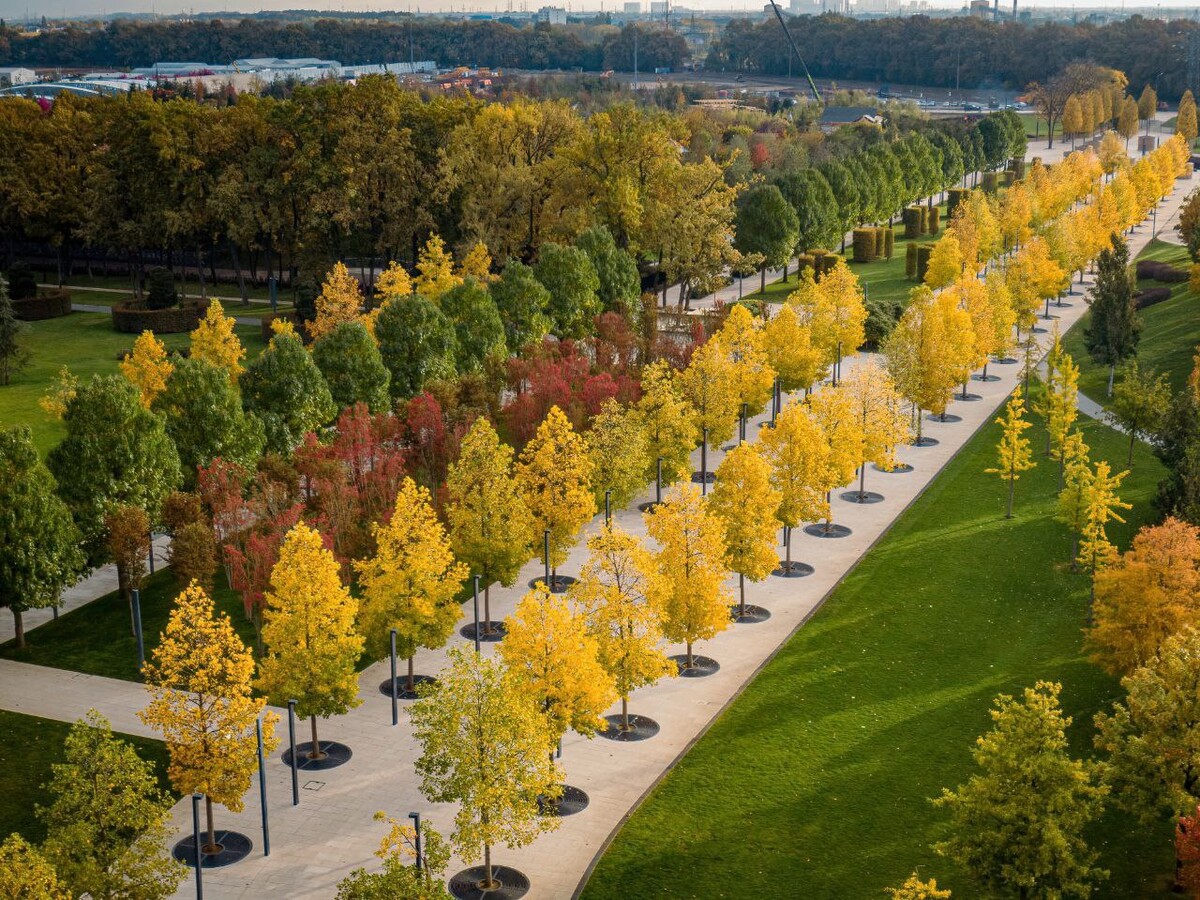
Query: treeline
371,170
492,43
969,52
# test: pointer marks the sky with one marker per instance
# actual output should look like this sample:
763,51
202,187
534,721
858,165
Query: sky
16,9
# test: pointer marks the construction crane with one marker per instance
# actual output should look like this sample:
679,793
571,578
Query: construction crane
811,84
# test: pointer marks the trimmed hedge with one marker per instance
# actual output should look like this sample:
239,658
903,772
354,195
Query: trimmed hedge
1151,296
50,304
954,197
134,318
913,218
923,252
910,260
1017,165
864,245
935,217
889,242
991,182
1155,270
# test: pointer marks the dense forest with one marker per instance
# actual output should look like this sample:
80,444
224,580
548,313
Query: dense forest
917,50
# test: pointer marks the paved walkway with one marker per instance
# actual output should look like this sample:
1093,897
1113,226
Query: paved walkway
100,308
331,832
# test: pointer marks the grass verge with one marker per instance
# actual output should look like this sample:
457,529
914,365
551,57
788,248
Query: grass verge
814,782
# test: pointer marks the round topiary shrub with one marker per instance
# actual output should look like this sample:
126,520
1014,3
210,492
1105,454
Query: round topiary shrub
22,283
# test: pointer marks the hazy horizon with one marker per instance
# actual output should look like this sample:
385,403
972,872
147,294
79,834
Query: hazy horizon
18,10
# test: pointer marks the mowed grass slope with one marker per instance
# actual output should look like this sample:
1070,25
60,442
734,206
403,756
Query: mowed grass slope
1170,330
30,748
814,783
87,345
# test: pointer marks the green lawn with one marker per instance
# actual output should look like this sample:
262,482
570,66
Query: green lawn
1170,331
98,639
30,747
1035,127
880,279
815,781
87,344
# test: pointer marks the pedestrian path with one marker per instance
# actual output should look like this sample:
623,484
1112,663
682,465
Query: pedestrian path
332,831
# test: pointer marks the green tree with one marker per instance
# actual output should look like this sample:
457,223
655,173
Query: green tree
116,452
350,361
483,746
478,331
1112,334
523,304
491,528
1153,735
571,279
417,344
818,217
766,224
620,284
1019,824
1140,402
204,417
14,355
41,543
108,823
286,390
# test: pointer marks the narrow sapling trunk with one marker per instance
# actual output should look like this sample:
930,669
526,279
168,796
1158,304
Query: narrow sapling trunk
624,713
487,609
741,594
315,752
19,628
488,882
1132,440
689,655
1012,489
211,846
410,686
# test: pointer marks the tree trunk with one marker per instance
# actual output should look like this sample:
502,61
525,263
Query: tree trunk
241,275
410,686
315,752
1132,440
862,481
624,713
787,548
19,628
762,279
211,846
487,609
1012,489
488,882
742,594
689,655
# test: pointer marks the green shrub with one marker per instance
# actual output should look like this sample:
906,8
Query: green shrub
160,293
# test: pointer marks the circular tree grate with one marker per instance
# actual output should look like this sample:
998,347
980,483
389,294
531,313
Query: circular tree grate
924,441
335,755
978,376
231,847
943,418
402,691
640,728
559,583
646,507
827,531
792,570
898,469
703,477
967,398
701,667
1006,361
507,884
572,801
488,635
748,614
862,497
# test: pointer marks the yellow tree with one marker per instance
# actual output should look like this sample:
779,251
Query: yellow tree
1100,504
709,386
618,445
340,301
1147,595
743,501
1073,487
839,315
491,528
1004,317
924,352
435,270
742,340
613,590
669,423
554,477
882,421
1112,152
147,367
688,581
25,874
393,283
1072,118
1033,276
1013,450
555,659
477,264
833,409
201,703
1185,121
411,584
790,351
799,458
916,889
483,746
945,262
1015,215
971,296
215,342
1061,406
311,646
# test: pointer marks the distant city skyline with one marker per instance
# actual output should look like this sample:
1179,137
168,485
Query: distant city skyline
18,10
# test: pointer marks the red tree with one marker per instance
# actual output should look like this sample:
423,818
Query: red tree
1187,852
